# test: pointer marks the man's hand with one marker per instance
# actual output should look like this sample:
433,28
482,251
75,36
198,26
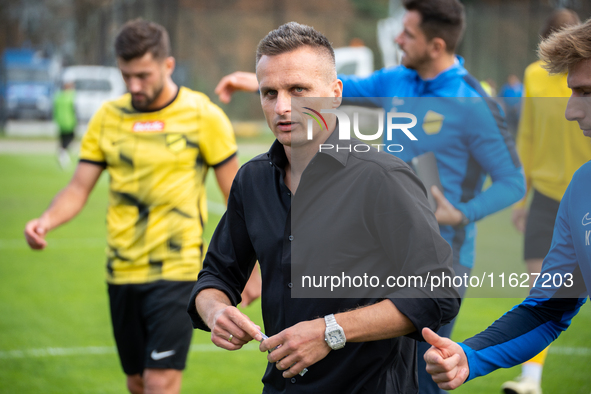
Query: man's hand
232,329
446,361
446,214
299,347
519,219
35,232
238,80
252,290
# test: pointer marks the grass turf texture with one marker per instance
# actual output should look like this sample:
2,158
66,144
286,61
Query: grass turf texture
57,299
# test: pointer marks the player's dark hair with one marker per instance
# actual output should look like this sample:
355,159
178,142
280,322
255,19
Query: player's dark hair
138,37
444,19
558,19
292,36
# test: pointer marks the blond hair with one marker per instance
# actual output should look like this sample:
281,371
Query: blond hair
566,47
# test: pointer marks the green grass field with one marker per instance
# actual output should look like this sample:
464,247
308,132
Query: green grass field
55,335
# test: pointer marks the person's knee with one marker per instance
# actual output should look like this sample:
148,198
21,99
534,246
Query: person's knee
162,381
135,384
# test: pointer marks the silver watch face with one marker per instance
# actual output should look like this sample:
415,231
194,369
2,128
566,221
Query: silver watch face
335,337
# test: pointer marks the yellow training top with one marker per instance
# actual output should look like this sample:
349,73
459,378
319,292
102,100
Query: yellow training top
551,148
157,162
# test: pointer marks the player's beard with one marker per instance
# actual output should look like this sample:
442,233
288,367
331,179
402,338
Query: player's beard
415,63
143,105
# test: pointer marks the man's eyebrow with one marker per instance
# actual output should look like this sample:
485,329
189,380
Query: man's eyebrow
263,88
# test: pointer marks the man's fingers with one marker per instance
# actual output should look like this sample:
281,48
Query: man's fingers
34,235
247,326
224,343
437,195
435,340
456,382
440,365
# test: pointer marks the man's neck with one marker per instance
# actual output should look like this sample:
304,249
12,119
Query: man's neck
299,158
168,93
437,66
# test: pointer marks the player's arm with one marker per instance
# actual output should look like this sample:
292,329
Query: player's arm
237,81
525,330
230,328
66,204
516,337
303,344
367,91
491,146
225,174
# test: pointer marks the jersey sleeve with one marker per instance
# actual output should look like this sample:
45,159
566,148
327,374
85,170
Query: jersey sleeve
363,91
217,141
531,326
493,148
90,150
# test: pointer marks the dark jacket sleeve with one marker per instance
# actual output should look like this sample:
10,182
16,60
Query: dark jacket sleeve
410,236
230,257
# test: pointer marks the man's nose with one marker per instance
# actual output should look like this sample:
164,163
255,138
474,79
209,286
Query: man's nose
575,109
283,103
398,39
134,85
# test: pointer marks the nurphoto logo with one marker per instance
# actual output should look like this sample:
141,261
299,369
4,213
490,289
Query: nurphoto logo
345,128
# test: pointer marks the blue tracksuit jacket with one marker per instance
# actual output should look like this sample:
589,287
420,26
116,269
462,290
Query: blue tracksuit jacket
463,128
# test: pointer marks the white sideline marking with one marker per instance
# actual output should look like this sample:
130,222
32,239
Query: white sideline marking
73,243
570,351
198,348
90,350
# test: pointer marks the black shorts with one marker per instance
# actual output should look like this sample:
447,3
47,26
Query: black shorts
540,226
66,138
151,326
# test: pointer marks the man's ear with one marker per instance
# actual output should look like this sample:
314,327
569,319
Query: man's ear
338,93
437,47
169,64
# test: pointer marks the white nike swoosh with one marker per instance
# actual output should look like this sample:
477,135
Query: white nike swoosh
160,355
586,219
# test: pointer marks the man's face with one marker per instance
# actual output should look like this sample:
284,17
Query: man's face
145,77
304,72
413,41
579,104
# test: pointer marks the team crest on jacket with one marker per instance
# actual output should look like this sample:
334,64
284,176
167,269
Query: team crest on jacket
432,122
148,126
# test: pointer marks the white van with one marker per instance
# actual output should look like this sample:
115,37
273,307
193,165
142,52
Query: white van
94,85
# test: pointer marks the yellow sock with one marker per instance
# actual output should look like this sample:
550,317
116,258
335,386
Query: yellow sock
540,358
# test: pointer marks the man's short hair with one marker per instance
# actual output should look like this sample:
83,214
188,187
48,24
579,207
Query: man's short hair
559,19
292,36
444,19
565,48
138,37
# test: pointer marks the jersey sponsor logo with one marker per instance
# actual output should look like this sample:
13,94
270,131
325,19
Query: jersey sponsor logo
149,126
160,355
586,219
432,122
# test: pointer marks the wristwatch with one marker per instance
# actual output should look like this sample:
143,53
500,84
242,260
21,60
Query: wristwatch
334,334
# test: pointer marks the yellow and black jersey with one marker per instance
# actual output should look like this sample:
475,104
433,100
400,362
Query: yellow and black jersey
551,148
157,163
